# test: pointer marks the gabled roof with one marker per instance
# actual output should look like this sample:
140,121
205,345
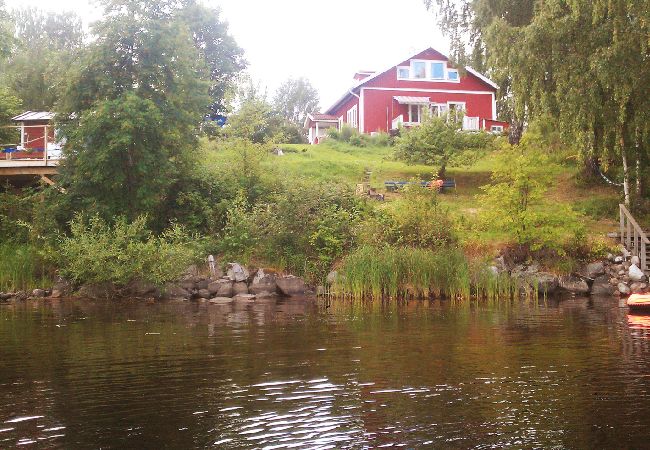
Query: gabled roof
33,116
360,83
317,117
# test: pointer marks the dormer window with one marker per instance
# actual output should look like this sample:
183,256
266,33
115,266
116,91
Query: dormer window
418,69
437,70
403,73
452,74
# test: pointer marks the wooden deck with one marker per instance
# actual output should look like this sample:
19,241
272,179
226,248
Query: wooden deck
23,167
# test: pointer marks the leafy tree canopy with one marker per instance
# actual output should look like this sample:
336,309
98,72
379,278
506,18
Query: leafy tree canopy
296,98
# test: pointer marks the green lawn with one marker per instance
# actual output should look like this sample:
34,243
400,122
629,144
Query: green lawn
338,162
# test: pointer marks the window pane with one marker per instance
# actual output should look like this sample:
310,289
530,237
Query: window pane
437,71
453,75
403,73
419,70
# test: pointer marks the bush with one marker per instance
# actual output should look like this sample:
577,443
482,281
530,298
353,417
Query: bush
414,220
516,203
437,140
97,252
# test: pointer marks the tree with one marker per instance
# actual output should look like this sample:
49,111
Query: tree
132,109
9,103
46,44
296,98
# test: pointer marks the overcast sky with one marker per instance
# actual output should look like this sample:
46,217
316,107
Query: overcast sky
325,42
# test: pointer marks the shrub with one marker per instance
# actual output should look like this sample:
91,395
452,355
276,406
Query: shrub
515,202
97,252
437,140
414,220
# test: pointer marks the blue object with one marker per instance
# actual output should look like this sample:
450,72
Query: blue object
9,150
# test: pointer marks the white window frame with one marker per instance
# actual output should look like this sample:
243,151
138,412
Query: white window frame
496,129
443,108
341,122
463,104
420,110
457,80
444,70
353,117
426,69
404,68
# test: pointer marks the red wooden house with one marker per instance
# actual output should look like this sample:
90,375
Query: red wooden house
37,138
400,95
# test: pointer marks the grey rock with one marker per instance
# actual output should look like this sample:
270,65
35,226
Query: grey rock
237,273
202,284
626,265
574,284
547,283
533,268
176,291
624,289
263,283
56,293
332,277
204,293
635,260
594,269
140,288
40,293
244,297
638,287
602,286
225,289
291,286
240,288
4,296
618,259
188,284
98,290
621,272
610,257
635,273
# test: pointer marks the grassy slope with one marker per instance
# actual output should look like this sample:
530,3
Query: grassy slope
338,162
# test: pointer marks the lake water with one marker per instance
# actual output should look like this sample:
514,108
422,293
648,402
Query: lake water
295,374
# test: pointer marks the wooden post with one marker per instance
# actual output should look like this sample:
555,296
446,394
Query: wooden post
45,146
644,256
622,222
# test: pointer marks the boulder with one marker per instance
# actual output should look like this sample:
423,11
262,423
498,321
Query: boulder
192,271
4,296
140,288
188,284
263,283
546,283
202,284
638,287
218,286
635,260
602,286
176,291
332,277
97,290
594,270
240,288
244,298
40,293
624,289
574,284
291,286
635,273
618,259
237,273
204,293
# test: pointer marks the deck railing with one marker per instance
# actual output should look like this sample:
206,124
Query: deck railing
634,238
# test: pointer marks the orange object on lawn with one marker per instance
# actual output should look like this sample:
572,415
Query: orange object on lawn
639,302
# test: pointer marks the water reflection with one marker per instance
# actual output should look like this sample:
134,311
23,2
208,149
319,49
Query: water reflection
294,374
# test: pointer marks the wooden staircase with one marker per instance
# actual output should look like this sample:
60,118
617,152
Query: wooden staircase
634,238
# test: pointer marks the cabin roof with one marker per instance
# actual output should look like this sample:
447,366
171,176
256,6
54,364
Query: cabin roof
33,116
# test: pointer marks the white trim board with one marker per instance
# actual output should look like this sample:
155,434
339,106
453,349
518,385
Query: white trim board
441,91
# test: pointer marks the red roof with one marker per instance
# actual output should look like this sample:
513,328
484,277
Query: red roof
322,117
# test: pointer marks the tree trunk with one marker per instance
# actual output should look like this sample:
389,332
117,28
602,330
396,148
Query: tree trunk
516,130
637,146
626,173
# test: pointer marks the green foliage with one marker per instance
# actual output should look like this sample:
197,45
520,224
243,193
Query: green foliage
415,220
352,136
294,99
119,159
400,272
438,141
598,208
515,202
238,239
22,267
97,252
9,107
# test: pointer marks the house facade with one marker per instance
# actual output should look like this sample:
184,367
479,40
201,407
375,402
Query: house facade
37,137
402,95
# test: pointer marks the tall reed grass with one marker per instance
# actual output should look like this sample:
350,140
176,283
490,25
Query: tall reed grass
396,272
21,268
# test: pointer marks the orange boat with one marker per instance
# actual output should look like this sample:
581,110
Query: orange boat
639,302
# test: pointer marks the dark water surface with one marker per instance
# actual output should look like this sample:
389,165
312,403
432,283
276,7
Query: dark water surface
294,374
